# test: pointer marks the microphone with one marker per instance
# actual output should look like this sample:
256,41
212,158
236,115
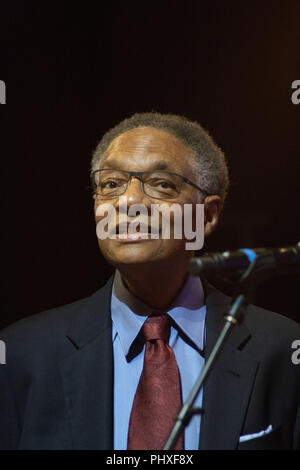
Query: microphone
284,260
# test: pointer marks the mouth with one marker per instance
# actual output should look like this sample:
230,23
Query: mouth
133,236
125,232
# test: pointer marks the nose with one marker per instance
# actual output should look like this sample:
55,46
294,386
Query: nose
133,196
134,193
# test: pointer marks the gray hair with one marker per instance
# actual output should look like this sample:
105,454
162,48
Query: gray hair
208,157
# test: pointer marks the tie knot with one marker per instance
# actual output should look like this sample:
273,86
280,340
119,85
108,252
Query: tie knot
157,327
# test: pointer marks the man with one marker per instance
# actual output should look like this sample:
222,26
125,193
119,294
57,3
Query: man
77,377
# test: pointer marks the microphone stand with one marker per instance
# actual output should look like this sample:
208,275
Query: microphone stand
233,318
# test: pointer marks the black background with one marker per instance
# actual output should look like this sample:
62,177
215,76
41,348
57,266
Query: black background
74,70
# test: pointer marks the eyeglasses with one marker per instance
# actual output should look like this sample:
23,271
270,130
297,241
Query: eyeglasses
111,183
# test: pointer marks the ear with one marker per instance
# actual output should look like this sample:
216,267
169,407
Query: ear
212,209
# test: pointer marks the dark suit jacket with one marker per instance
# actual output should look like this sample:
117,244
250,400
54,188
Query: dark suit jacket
56,388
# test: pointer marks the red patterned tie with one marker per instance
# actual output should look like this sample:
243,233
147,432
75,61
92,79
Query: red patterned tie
158,395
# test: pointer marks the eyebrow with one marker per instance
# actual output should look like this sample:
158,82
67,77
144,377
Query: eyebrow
156,165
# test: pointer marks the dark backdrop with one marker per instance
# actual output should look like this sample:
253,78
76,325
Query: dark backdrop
74,70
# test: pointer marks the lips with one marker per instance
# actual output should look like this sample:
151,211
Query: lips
126,230
133,236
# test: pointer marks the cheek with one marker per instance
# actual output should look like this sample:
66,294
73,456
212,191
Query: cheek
105,217
169,247
108,250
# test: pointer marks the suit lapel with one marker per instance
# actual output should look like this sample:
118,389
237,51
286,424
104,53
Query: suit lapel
227,390
87,374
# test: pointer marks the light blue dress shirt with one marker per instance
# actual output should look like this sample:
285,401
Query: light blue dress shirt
128,315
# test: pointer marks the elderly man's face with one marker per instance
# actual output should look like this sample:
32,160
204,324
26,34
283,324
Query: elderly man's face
145,149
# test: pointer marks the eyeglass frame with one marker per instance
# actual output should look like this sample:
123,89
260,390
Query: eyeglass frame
139,174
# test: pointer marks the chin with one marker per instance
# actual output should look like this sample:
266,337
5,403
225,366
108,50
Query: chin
130,260
147,253
135,253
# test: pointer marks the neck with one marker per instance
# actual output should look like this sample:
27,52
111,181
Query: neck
157,286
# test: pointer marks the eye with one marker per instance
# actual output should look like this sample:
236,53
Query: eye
111,183
165,184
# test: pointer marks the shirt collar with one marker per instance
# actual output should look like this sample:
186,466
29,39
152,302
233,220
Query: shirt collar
129,313
188,310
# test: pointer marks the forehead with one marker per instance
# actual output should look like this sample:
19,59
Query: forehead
144,146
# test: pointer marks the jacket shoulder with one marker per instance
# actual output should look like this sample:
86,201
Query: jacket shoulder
47,330
268,328
269,324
